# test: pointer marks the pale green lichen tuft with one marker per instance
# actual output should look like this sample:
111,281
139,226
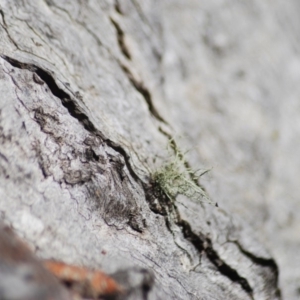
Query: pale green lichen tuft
174,178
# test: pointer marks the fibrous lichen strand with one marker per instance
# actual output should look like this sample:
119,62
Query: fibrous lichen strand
175,178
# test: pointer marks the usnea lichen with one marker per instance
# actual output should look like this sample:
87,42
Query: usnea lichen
175,178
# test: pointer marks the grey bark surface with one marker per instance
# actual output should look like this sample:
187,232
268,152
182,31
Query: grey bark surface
91,92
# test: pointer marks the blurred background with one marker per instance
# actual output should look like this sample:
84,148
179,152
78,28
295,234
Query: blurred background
233,68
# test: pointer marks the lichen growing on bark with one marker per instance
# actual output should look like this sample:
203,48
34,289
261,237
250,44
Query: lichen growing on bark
175,178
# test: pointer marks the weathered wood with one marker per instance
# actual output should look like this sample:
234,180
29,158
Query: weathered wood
91,92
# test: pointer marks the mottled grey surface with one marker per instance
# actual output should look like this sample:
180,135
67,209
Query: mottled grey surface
236,69
90,93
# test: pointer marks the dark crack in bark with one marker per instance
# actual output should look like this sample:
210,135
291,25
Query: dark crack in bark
121,39
144,91
264,262
118,7
73,177
201,243
71,106
4,26
65,98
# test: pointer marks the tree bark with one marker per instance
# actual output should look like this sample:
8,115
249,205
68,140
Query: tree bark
91,93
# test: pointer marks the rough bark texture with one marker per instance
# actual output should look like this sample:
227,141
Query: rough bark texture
91,92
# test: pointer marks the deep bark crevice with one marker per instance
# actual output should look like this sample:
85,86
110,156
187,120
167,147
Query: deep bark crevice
72,107
118,7
202,244
65,98
120,38
73,177
264,262
144,91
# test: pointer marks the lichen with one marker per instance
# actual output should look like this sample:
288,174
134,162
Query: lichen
175,178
